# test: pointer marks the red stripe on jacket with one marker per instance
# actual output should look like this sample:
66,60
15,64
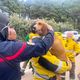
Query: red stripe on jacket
16,54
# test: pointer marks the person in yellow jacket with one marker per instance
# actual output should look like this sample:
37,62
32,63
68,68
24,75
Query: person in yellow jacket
28,38
72,48
46,67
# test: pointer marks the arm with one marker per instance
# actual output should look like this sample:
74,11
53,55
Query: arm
21,51
76,49
39,48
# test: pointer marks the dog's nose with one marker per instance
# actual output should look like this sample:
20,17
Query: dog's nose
36,27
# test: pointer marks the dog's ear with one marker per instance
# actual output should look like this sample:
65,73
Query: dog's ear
32,28
44,29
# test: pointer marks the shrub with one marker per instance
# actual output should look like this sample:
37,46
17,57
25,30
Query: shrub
21,25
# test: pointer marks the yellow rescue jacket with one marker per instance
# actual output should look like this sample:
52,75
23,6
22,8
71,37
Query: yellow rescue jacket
71,47
40,70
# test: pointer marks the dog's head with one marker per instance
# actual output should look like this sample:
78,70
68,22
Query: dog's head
40,27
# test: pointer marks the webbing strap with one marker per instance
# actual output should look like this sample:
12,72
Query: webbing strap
41,76
59,67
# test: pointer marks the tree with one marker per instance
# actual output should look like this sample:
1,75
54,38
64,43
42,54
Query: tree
11,6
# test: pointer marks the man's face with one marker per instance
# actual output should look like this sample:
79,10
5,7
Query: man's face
11,34
69,35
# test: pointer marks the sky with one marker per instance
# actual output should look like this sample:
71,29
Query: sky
53,0
59,2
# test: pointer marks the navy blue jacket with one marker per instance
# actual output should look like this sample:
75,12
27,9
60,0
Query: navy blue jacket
15,52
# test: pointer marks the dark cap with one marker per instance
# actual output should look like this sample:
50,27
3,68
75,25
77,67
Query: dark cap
4,20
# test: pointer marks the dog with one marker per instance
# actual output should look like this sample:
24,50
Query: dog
40,27
58,49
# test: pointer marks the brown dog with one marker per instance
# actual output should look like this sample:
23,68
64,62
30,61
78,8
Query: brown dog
57,48
41,27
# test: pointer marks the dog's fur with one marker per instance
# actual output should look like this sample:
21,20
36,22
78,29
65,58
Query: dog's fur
58,50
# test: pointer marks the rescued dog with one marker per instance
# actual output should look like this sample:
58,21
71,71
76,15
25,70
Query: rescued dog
57,48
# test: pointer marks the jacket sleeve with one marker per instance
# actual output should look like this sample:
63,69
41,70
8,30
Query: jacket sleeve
40,47
77,48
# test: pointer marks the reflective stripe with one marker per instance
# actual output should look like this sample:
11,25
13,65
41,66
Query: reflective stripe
69,51
59,67
30,43
41,76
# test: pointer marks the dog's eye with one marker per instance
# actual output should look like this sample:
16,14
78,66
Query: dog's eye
40,23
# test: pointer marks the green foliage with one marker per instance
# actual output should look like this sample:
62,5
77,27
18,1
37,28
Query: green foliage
65,26
11,6
62,17
61,26
53,24
60,11
20,25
